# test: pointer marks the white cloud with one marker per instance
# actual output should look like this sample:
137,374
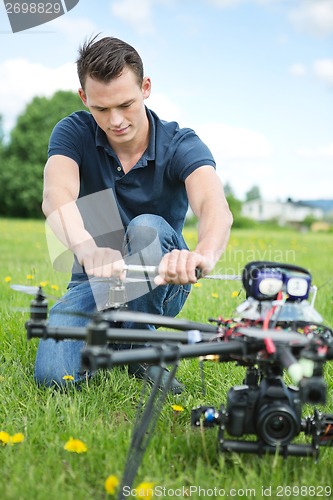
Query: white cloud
234,143
326,151
139,17
243,157
298,69
323,69
319,152
16,93
313,16
235,3
242,176
165,108
226,3
75,29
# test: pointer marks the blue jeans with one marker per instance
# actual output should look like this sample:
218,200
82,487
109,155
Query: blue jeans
147,239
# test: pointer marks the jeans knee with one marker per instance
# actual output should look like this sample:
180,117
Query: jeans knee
143,238
147,220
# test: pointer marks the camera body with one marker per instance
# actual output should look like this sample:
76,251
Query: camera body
271,411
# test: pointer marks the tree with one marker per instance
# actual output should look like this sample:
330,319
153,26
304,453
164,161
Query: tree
239,221
253,194
2,135
228,191
24,157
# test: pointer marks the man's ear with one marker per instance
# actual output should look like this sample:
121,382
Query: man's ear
83,96
146,87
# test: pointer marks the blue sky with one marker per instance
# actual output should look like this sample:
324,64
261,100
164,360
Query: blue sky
254,78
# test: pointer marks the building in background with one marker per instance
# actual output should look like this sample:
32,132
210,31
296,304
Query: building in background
286,212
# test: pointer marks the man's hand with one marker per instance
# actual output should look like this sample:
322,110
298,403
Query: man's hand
179,267
100,262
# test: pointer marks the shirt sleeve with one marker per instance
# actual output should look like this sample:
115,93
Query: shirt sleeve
66,140
190,153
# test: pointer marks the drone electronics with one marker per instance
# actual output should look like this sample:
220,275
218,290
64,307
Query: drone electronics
264,280
276,334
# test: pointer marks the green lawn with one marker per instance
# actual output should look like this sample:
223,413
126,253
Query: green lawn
178,460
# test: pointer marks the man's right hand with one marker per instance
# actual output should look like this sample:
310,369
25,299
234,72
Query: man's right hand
100,262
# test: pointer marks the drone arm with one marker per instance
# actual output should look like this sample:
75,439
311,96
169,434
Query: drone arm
43,331
94,358
100,333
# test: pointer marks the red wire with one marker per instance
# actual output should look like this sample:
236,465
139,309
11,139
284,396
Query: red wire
270,313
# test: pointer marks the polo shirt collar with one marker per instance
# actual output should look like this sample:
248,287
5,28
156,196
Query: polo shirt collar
151,151
101,140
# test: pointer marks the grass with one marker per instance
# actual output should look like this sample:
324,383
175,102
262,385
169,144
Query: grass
178,459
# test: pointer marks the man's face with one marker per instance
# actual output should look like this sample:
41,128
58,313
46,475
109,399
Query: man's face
118,106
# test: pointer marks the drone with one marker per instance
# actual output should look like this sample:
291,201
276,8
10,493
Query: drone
275,334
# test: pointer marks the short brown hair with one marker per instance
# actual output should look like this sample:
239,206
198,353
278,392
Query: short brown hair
106,59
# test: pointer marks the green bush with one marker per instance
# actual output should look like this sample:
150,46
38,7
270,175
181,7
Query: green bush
24,157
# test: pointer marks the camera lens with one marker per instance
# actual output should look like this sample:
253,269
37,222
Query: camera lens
277,425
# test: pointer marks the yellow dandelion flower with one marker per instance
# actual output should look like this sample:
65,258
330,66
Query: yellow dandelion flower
29,277
68,377
234,294
4,437
215,295
43,283
177,408
110,484
54,287
197,285
145,490
17,438
8,279
75,446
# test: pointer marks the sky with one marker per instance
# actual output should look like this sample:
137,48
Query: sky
253,78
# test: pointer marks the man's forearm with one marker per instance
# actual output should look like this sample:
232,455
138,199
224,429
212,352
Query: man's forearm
67,224
214,231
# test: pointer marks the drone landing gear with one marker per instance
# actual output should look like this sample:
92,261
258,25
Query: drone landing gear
319,426
259,448
147,416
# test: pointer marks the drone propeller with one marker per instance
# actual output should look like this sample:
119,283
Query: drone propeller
157,320
278,336
28,289
33,290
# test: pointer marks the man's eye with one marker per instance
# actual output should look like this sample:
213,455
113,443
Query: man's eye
102,109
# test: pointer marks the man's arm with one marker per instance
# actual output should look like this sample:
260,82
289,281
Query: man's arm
207,200
61,190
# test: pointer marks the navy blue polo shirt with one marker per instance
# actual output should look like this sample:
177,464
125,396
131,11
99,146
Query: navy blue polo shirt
155,185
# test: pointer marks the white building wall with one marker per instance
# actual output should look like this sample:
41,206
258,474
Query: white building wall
263,210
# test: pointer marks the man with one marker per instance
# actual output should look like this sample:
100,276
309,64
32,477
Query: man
153,170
